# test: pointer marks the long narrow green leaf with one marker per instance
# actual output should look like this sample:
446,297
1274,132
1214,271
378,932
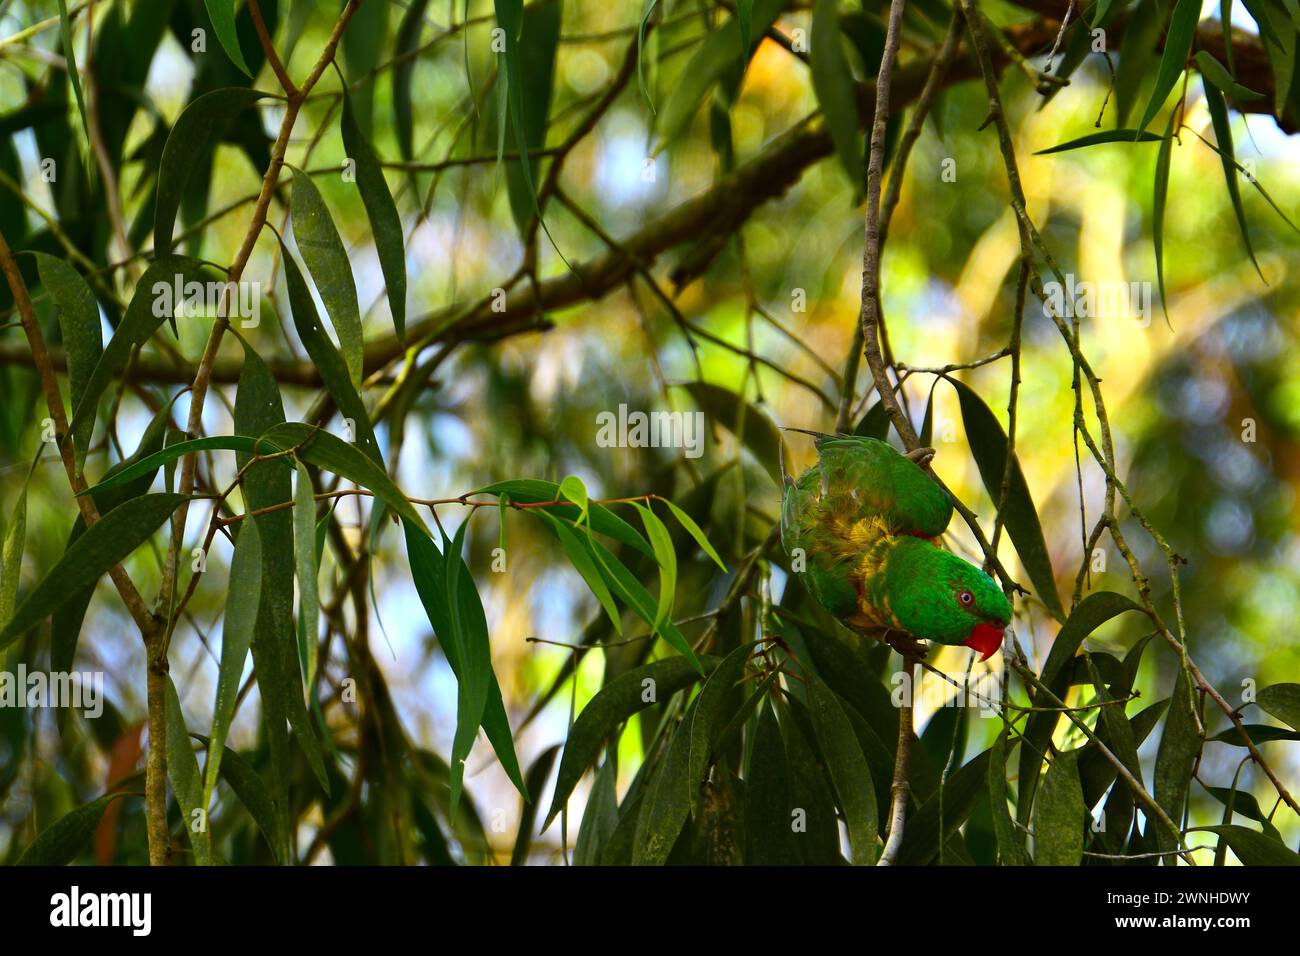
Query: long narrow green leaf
666,558
711,712
333,367
151,463
837,93
243,597
635,596
716,56
327,260
406,41
469,626
600,816
139,322
646,9
584,564
334,454
1011,844
1178,47
222,15
625,695
304,552
183,772
381,211
988,443
74,76
1159,199
668,800
251,791
60,842
196,129
427,571
601,519
695,531
848,769
106,543
1105,136
82,341
1216,73
1060,816
1223,133
1092,612
11,551
1175,761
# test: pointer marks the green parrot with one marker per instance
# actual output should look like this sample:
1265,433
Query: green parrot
867,520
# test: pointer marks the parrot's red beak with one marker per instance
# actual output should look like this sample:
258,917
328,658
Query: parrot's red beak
985,638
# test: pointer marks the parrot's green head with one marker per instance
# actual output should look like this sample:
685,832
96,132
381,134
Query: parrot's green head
937,596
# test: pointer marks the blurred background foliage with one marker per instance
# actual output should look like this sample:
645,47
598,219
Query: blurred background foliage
507,402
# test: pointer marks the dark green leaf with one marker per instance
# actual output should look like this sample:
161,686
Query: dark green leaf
1216,73
407,41
151,463
385,223
1245,804
1159,199
770,803
1060,816
1256,849
600,817
105,544
618,700
848,769
1092,612
1178,46
327,261
60,842
202,122
1011,842
429,573
82,341
837,93
713,59
959,793
988,443
183,772
1105,136
243,596
334,454
333,368
252,792
602,520
1137,53
668,800
538,774
1283,702
1223,134
305,560
710,714
139,322
1179,747
222,15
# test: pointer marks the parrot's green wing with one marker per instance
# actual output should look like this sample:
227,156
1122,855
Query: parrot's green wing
855,478
868,477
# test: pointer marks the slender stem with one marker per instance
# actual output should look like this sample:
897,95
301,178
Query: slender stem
899,790
869,316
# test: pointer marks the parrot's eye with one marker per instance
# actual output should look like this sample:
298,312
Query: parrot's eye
966,598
